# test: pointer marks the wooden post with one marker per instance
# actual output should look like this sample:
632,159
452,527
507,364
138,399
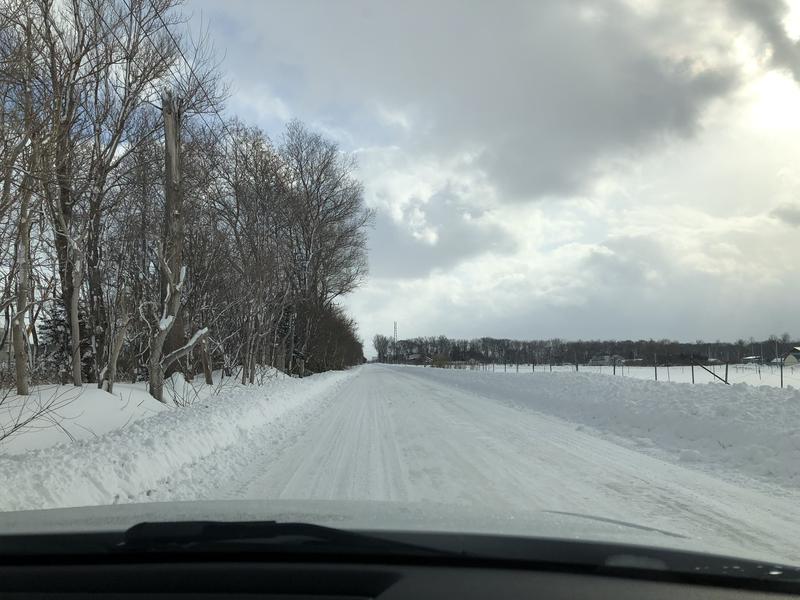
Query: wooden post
655,365
614,362
726,372
781,364
692,371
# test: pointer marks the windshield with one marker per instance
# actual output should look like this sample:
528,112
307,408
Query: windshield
522,268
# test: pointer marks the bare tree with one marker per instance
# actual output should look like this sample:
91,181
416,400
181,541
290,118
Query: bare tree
381,344
131,253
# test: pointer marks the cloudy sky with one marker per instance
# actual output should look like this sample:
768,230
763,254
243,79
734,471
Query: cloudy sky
548,168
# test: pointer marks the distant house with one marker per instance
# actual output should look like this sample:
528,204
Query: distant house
605,360
418,359
792,357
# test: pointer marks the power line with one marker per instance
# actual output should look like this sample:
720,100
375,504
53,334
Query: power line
99,15
160,55
188,64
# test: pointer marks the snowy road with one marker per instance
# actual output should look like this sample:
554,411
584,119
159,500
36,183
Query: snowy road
399,434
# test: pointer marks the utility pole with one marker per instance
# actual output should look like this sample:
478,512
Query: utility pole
164,341
395,342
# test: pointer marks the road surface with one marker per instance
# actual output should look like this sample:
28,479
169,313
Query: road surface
397,434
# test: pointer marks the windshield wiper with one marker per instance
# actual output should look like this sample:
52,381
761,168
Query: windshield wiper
262,537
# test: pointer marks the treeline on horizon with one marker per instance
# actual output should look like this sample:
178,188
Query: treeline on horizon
560,351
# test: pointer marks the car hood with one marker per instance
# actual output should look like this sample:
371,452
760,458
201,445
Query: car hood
354,515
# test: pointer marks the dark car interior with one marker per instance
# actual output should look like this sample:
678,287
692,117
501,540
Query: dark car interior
289,560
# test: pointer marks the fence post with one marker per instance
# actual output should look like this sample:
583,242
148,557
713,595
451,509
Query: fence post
615,367
655,365
726,372
781,364
692,370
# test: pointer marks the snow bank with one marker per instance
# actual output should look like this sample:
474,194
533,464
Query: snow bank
725,430
72,413
80,413
129,463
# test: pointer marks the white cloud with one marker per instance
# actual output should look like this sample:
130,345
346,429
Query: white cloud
551,169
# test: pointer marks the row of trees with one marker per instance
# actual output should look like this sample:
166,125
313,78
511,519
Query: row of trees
142,236
558,351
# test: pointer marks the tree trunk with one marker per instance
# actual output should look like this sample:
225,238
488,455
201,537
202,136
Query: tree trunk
253,362
156,383
63,209
205,359
304,347
176,339
110,372
23,290
75,326
291,342
254,348
116,348
248,350
98,317
279,360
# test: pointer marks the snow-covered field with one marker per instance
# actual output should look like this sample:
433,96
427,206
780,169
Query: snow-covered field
714,464
736,431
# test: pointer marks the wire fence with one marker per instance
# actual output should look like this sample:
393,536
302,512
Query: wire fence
751,374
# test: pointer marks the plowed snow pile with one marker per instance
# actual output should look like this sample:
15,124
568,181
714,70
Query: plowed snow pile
213,436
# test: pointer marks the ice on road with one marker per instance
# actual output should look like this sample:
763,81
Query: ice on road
396,434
